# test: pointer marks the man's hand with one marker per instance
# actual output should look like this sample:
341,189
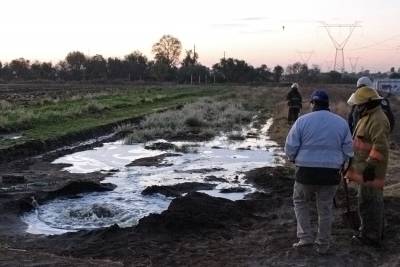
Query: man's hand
369,173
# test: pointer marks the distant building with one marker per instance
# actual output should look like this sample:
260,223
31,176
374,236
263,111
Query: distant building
391,86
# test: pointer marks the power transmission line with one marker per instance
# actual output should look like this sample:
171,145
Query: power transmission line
339,45
394,37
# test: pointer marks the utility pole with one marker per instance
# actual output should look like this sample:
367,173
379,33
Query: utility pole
339,46
193,62
194,53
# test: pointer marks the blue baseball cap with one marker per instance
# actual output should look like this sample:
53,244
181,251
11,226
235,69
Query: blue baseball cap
320,96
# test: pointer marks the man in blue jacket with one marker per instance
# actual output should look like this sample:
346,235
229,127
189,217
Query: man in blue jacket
318,143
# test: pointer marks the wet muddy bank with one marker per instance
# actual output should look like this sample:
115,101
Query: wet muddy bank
38,180
65,144
71,142
191,218
43,182
166,172
199,230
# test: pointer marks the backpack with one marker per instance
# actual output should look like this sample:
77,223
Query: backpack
385,104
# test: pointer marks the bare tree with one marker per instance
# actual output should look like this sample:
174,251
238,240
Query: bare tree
167,50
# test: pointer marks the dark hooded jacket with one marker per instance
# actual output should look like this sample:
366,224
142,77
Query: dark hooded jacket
294,99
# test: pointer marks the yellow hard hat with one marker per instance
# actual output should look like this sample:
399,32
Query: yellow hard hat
363,95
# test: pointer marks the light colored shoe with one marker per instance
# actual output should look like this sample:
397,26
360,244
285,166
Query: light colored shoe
302,244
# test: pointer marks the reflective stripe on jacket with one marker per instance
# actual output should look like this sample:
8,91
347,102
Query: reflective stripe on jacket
371,147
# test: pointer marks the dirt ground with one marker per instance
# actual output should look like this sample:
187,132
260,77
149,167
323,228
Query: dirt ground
196,230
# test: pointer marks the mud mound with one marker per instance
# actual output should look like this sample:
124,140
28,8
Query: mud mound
201,171
156,161
13,179
195,215
277,179
176,190
196,212
71,189
9,257
213,178
200,230
161,146
78,187
229,190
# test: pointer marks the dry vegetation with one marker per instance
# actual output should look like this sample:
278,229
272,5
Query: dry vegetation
204,119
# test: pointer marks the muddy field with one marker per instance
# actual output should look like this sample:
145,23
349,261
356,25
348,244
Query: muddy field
28,93
196,229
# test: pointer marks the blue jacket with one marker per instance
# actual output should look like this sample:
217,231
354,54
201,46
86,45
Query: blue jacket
319,139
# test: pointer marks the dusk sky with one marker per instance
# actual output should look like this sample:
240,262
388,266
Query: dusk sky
46,30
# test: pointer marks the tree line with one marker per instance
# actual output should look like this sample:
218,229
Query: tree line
165,67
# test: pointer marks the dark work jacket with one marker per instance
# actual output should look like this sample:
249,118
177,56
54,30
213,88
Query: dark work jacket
294,99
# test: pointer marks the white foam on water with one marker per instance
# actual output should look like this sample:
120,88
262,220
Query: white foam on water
125,205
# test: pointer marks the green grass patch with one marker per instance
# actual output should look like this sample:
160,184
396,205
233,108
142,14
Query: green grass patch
51,119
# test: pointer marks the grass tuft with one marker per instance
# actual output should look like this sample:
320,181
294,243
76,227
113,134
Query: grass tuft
200,120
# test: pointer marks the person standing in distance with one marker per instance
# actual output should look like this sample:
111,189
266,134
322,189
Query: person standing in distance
294,102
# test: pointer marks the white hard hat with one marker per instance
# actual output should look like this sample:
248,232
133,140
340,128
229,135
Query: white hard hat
364,81
295,85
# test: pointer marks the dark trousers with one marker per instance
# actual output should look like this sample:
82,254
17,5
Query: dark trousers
370,207
293,114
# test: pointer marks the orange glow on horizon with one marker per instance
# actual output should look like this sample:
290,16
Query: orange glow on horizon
260,32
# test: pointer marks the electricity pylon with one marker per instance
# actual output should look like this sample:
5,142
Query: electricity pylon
340,45
353,63
328,64
305,56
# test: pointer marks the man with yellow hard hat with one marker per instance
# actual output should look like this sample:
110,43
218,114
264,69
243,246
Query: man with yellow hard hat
368,167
